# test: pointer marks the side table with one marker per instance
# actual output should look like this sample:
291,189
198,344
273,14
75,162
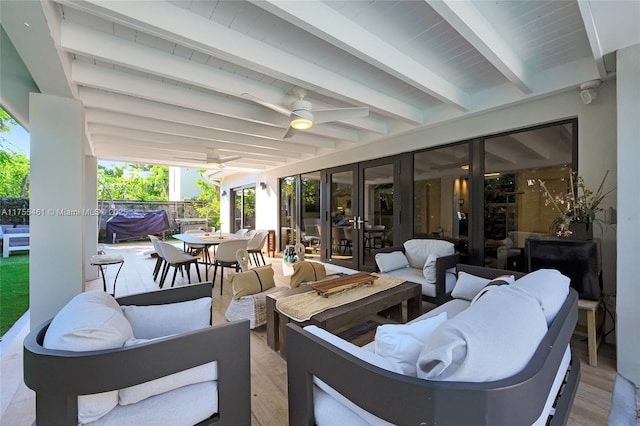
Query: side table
101,260
593,339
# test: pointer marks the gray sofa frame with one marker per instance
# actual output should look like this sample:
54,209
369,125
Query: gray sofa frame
442,264
517,400
58,377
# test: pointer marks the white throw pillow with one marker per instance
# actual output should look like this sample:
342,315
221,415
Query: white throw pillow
149,322
468,285
388,262
201,373
354,350
549,287
493,339
91,321
429,269
417,250
402,343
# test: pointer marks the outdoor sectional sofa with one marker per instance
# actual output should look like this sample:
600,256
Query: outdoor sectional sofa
178,369
520,356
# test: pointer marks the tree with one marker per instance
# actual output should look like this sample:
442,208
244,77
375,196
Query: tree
14,166
208,202
136,181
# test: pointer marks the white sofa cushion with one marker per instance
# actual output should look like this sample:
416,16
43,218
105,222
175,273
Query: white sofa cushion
90,321
402,343
416,276
167,408
417,250
491,340
468,285
549,287
201,373
149,322
388,262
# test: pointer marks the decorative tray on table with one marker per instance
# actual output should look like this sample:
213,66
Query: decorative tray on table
349,281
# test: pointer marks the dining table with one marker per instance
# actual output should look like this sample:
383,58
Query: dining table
208,239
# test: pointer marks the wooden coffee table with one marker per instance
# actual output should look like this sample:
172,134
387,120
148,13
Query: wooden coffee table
345,317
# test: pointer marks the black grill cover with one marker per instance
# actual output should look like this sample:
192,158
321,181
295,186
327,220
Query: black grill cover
136,224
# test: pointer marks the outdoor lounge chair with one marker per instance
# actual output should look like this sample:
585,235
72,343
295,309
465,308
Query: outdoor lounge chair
120,379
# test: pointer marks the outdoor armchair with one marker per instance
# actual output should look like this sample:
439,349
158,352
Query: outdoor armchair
103,370
425,261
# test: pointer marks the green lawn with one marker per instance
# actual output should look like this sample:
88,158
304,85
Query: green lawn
14,289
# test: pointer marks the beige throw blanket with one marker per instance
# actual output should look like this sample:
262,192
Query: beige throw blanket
301,307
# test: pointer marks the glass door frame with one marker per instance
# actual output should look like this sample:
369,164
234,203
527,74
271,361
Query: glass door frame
358,209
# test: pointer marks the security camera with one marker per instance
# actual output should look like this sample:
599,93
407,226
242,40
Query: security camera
589,91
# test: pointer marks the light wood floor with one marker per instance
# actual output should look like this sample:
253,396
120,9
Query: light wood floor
268,369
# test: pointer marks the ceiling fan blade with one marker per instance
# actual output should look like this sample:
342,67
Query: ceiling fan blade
277,108
289,133
216,161
326,115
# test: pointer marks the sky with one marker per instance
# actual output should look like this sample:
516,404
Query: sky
18,139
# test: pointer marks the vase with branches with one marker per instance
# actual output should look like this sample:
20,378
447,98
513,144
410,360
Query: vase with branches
578,205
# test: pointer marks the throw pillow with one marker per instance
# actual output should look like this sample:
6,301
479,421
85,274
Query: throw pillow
137,393
253,281
91,321
491,285
306,271
388,262
153,321
401,343
468,285
429,268
492,339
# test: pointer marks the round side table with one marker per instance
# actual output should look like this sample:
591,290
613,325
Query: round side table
101,260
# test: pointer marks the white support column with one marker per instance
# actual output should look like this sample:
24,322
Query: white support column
56,264
91,217
628,269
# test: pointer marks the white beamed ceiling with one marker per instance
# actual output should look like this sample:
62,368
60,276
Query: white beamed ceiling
163,81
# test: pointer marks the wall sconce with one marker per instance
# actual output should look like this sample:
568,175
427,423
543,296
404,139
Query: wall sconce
589,91
224,194
263,185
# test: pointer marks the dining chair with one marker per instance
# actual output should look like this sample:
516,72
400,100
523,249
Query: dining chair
255,246
242,232
159,256
194,249
178,259
226,256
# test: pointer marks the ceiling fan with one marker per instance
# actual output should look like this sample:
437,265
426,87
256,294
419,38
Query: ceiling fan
211,161
302,116
219,161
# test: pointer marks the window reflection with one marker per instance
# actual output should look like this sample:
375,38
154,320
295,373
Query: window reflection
514,210
441,195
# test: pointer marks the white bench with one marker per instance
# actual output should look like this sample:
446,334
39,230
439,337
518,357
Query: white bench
6,246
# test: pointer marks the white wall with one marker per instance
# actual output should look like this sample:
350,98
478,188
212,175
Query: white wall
56,264
182,183
628,297
596,139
